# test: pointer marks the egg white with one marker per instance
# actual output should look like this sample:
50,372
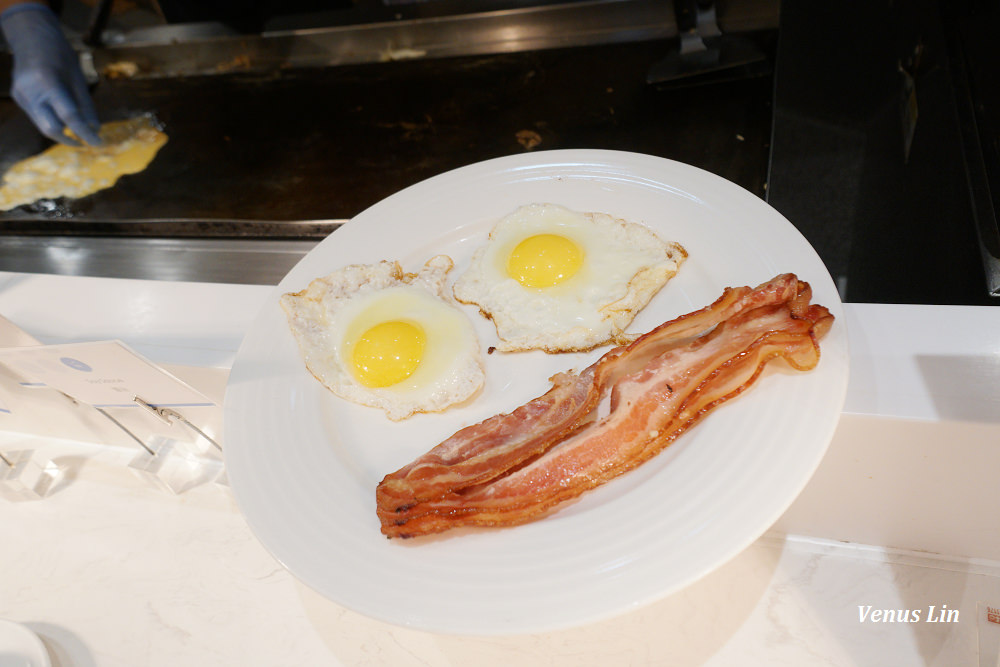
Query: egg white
330,315
624,265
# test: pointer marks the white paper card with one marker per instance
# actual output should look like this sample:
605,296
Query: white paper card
12,335
103,374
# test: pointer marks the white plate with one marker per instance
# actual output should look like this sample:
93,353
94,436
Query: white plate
303,464
20,647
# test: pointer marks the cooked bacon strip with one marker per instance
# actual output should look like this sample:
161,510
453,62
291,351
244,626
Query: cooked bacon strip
659,386
650,408
734,300
484,451
481,452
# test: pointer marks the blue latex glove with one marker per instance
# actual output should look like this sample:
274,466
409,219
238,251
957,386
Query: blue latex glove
47,81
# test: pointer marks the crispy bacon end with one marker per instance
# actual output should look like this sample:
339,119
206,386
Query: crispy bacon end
514,467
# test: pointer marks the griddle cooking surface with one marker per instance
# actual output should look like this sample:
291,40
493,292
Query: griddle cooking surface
326,144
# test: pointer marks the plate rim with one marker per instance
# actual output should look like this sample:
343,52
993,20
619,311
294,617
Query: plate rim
39,655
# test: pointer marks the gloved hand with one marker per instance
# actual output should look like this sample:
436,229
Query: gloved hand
47,81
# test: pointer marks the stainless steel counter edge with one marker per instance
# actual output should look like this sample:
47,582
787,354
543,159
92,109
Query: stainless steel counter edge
155,53
238,261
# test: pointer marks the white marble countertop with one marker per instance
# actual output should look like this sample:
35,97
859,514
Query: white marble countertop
111,571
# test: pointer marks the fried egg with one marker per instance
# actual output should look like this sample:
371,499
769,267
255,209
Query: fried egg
77,171
558,280
377,336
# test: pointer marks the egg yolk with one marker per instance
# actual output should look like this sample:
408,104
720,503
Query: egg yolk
544,260
388,353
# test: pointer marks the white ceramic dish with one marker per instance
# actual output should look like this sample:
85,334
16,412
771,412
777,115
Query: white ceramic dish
303,464
20,647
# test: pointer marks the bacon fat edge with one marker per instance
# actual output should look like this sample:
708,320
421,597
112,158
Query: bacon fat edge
515,467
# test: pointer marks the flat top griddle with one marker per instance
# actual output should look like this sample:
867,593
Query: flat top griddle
251,154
